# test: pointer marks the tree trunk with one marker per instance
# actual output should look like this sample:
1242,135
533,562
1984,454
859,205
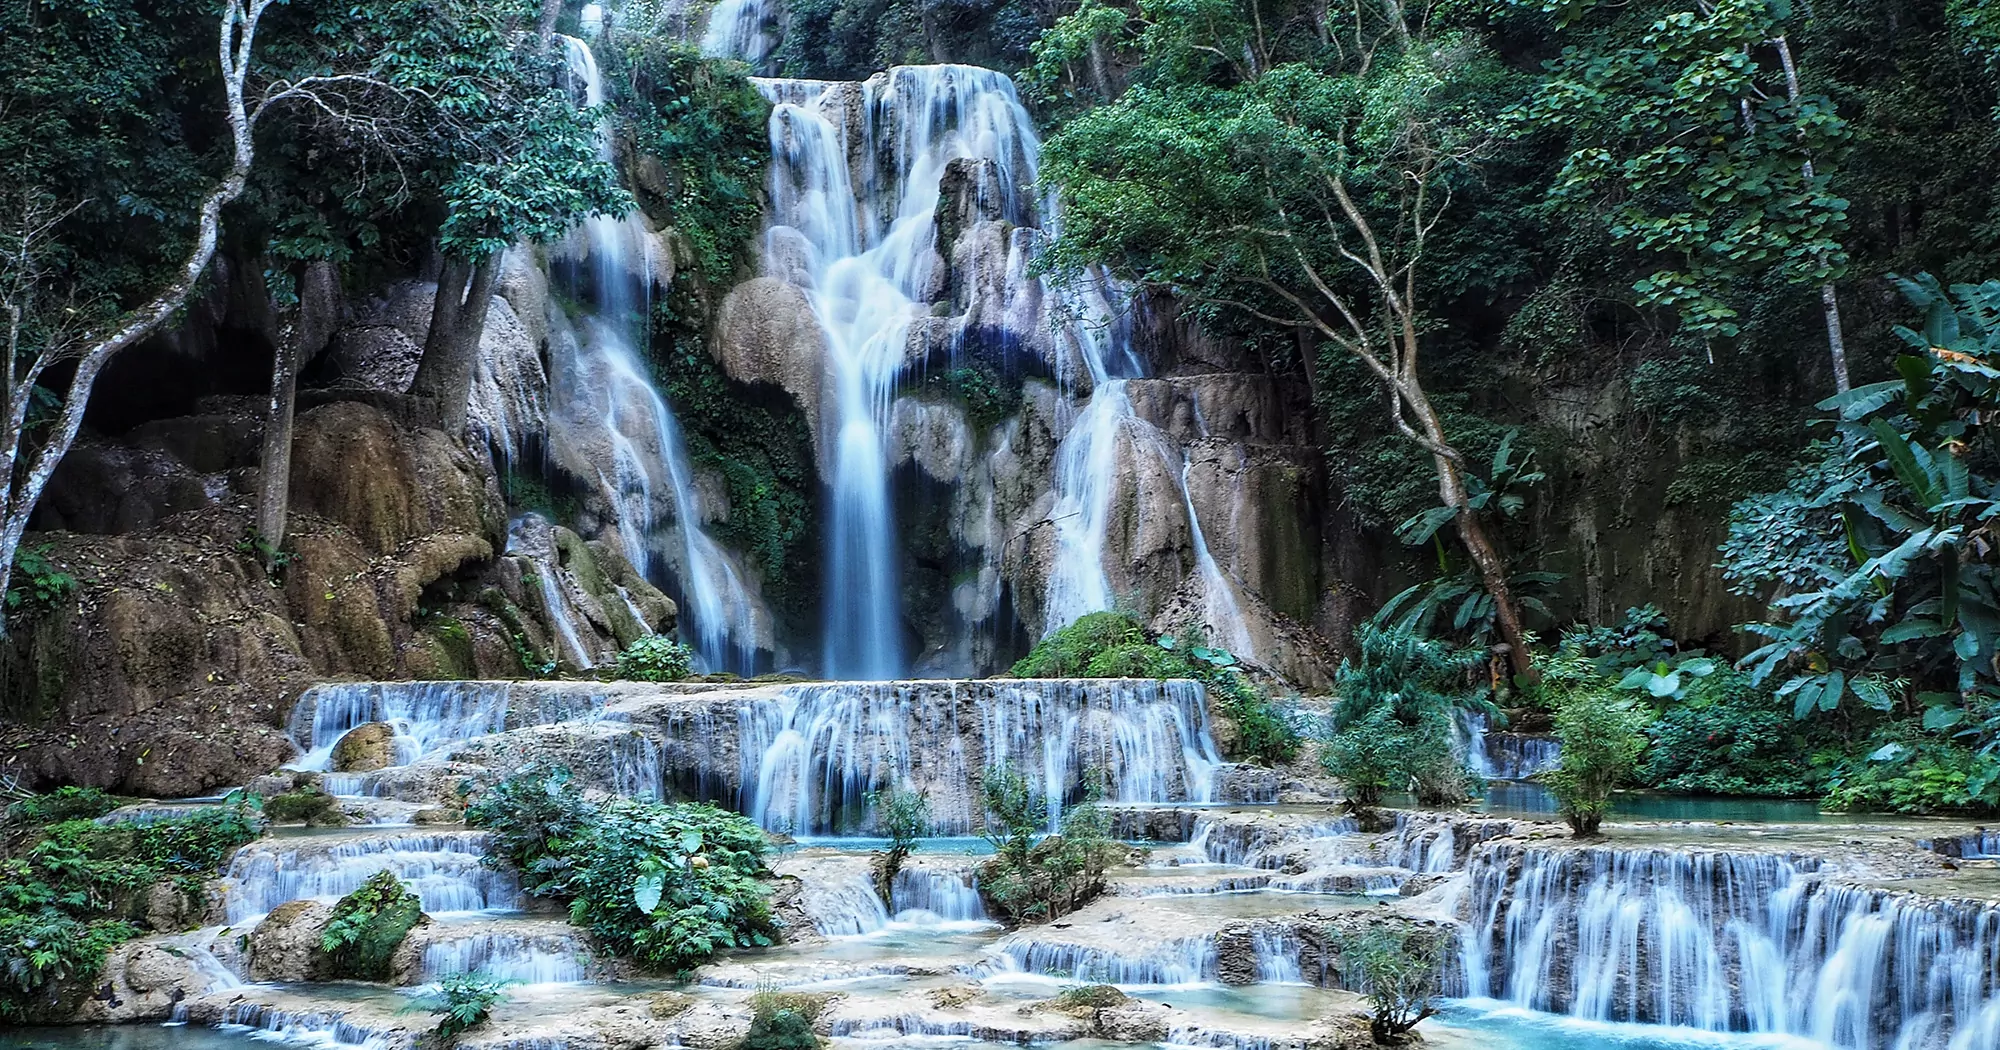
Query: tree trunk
301,337
1836,343
1492,570
27,476
451,347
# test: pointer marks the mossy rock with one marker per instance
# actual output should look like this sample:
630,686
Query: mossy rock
368,925
1137,660
365,748
308,805
1068,651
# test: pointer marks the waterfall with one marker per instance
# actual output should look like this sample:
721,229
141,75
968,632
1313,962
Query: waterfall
926,896
1503,756
845,906
1183,961
307,1028
867,240
811,755
606,405
736,29
521,957
427,716
1725,941
445,869
1277,950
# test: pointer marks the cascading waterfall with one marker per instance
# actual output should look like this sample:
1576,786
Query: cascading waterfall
426,716
1725,941
445,869
866,243
1503,756
518,957
602,393
925,895
811,756
1188,960
736,29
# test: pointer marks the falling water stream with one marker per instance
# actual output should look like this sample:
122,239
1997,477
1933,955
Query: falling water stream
601,388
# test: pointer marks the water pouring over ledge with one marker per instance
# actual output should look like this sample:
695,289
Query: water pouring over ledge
603,401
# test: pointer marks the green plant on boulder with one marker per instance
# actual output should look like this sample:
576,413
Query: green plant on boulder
905,817
1601,736
783,1020
655,658
368,925
1034,877
1067,652
462,1002
71,889
64,803
667,884
307,805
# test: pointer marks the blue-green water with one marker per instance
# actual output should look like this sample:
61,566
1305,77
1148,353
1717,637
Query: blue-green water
1513,798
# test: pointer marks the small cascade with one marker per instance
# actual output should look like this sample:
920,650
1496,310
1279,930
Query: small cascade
1724,942
1504,756
1277,950
810,757
845,906
739,29
198,949
549,958
1981,844
1256,844
636,767
444,869
532,537
1189,960
427,716
924,895
318,1028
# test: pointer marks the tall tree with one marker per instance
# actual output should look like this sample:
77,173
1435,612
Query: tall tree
1293,164
1695,140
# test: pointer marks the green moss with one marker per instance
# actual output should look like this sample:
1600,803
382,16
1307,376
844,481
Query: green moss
368,926
1136,660
308,805
1068,651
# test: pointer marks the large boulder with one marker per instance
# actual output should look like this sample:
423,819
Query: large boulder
285,946
765,332
365,748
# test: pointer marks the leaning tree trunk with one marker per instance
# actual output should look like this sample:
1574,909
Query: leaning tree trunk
26,472
308,329
1492,570
451,347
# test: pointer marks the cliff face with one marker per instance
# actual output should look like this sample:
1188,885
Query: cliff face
171,666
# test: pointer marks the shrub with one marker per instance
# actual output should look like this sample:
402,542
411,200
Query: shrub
1906,773
368,926
1068,651
1035,877
68,888
783,1021
64,803
905,816
667,884
1729,737
1399,965
1601,742
655,658
1392,722
462,1002
1089,999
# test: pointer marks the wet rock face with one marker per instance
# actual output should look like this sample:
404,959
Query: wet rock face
765,333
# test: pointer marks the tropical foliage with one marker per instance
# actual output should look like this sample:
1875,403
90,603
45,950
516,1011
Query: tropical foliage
667,884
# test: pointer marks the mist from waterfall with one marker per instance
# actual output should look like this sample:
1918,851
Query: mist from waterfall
601,387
